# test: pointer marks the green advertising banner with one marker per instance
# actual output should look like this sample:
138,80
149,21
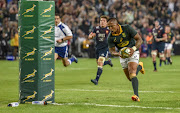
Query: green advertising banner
36,63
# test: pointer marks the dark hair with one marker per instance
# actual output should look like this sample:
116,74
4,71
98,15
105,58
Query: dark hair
112,19
57,14
104,16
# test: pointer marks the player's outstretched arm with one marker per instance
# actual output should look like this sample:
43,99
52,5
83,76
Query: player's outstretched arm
114,52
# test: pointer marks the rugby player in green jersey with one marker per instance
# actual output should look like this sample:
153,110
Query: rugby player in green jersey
169,43
125,36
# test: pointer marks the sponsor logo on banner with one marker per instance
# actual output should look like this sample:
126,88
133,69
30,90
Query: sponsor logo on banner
48,96
29,10
47,53
31,96
47,10
29,32
46,32
30,76
47,75
29,54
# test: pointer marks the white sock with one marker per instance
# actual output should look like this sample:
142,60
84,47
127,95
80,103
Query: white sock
69,61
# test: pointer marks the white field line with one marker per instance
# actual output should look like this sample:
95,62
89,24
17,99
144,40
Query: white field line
86,90
116,106
116,68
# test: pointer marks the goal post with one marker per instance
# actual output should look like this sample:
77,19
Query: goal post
36,51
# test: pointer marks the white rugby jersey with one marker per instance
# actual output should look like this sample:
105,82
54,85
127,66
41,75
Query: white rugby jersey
61,31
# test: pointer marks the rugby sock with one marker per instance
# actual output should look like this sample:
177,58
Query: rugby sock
168,59
135,85
69,61
154,63
106,62
160,62
99,72
138,69
164,62
72,59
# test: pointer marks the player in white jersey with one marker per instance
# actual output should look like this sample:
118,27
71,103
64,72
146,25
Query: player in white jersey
62,35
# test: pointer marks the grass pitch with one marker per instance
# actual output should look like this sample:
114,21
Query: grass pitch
74,93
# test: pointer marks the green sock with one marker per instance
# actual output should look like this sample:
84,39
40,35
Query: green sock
135,85
138,69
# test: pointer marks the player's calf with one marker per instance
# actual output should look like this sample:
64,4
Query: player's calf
134,83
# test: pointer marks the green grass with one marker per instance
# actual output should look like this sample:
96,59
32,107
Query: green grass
159,91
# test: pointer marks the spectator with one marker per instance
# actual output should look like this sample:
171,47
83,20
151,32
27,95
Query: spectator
149,40
4,45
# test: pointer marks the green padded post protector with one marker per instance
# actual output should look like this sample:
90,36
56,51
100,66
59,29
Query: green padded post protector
36,51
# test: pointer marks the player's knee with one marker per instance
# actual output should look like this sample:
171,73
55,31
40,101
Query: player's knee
161,55
101,59
65,65
100,67
153,53
132,75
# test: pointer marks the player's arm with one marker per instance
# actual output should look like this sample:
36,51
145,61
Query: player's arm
173,40
137,45
164,38
114,52
139,41
111,45
69,36
133,33
91,35
65,38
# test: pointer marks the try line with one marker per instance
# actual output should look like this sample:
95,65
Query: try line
87,90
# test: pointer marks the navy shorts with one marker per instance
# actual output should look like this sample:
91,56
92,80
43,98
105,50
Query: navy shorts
159,47
102,53
62,51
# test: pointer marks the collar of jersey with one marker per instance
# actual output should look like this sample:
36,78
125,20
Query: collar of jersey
59,23
119,32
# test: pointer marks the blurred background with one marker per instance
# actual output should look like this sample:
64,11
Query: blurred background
82,15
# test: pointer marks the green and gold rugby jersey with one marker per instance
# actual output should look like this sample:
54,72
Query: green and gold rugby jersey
124,39
169,37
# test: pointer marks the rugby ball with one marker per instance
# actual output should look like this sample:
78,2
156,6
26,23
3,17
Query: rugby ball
125,52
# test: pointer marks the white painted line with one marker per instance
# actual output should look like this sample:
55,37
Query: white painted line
117,106
86,90
114,68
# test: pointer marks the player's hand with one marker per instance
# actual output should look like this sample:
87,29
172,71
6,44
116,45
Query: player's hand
131,52
59,41
92,35
157,40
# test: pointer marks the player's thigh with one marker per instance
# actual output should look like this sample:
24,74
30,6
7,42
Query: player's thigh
161,47
169,47
65,60
126,72
62,51
154,46
102,53
132,67
133,62
123,62
154,50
